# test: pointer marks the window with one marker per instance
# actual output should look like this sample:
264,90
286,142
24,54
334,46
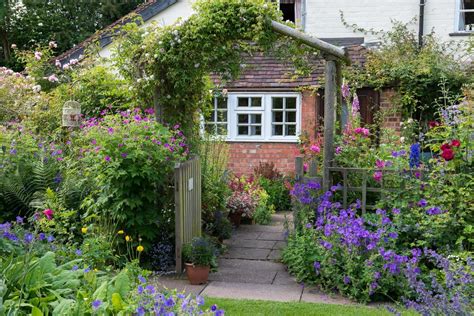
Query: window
283,116
466,15
289,10
216,122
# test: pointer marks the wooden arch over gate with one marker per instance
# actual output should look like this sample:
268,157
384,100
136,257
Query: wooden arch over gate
334,57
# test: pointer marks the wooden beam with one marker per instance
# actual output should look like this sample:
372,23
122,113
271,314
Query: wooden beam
330,99
325,47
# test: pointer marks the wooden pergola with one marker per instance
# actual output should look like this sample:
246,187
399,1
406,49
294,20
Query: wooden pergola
334,57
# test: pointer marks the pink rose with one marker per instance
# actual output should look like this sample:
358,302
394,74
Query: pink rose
48,213
315,149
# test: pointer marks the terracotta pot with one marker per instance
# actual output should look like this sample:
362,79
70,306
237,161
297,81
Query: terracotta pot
235,218
197,274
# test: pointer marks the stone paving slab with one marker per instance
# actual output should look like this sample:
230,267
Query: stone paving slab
249,265
274,255
248,243
181,284
272,236
313,295
282,293
245,235
253,277
284,278
247,253
280,245
261,228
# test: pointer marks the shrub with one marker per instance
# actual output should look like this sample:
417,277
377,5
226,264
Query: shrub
264,210
278,192
241,202
200,252
221,228
129,158
267,170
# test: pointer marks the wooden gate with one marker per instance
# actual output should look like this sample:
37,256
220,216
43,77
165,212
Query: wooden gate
187,180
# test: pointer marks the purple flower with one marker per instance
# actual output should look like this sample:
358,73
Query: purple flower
140,289
170,302
124,155
107,158
345,90
393,235
19,220
86,270
199,299
434,211
78,252
347,280
141,311
214,308
96,304
74,268
326,244
28,238
50,238
141,279
150,289
317,266
422,203
308,225
41,236
396,211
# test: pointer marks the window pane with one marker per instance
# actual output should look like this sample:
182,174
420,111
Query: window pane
277,103
277,130
468,4
256,102
290,130
209,128
255,118
221,116
277,116
255,130
291,103
291,117
222,103
469,21
243,118
221,129
243,130
243,102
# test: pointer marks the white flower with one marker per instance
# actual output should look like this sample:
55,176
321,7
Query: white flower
9,72
53,44
196,65
40,24
13,46
73,61
401,123
53,78
410,120
402,139
66,66
147,55
156,55
36,88
224,91
38,55
57,63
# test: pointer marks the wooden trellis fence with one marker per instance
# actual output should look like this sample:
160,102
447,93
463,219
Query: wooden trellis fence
187,179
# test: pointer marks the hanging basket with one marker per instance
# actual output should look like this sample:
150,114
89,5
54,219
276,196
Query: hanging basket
71,114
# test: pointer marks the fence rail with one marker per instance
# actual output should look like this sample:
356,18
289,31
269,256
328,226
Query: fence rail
187,179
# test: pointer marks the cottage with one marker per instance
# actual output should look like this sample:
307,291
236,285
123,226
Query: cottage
262,113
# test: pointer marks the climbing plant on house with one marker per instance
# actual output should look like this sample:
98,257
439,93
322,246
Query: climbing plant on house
171,66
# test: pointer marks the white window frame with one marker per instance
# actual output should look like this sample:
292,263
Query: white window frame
458,27
265,111
215,110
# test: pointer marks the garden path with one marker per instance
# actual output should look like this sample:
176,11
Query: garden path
250,269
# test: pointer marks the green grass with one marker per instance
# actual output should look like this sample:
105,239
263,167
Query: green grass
251,307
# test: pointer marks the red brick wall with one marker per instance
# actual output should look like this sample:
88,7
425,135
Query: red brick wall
245,156
392,116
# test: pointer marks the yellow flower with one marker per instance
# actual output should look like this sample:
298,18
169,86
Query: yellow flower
140,248
95,270
127,238
120,232
84,230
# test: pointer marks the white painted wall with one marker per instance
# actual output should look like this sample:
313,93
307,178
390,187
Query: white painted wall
323,16
181,9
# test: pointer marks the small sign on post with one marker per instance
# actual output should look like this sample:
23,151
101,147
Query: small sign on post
71,114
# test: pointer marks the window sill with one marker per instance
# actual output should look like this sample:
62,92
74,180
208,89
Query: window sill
246,140
462,33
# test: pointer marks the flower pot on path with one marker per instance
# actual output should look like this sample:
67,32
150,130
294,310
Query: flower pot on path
197,274
235,218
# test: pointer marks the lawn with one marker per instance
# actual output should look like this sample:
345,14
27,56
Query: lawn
253,307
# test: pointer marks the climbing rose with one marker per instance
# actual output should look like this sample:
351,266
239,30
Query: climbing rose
445,146
378,176
447,154
315,148
48,213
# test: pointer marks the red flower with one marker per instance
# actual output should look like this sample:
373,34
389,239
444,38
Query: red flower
455,143
48,213
445,146
447,154
433,124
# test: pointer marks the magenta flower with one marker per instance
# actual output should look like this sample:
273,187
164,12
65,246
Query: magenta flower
107,158
355,105
338,150
378,176
48,213
346,91
380,164
315,149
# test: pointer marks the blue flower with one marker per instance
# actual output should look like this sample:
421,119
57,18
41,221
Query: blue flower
28,238
170,302
74,268
78,252
141,311
41,236
414,159
141,279
422,203
140,289
96,304
19,220
214,308
200,300
347,280
50,238
150,289
86,270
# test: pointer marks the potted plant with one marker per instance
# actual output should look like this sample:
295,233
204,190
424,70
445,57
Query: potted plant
239,204
199,256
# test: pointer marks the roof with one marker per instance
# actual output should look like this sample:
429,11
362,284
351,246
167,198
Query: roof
105,37
268,72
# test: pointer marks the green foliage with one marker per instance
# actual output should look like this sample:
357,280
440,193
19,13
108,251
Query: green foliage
264,210
278,193
200,252
414,72
129,159
220,227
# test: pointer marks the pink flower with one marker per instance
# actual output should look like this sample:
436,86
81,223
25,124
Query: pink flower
355,105
362,131
338,150
305,167
48,213
57,63
346,91
377,176
315,149
380,163
53,78
38,55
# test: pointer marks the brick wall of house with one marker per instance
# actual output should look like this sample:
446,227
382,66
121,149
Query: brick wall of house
392,116
245,156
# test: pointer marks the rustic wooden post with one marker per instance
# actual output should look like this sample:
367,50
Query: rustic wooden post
364,191
178,219
330,98
339,104
313,168
299,169
344,192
